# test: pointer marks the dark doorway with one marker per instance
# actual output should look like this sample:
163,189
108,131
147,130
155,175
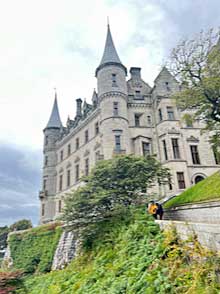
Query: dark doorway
198,179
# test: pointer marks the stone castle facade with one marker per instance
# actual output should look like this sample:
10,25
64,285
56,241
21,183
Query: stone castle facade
125,117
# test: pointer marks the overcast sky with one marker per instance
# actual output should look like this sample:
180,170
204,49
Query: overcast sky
53,43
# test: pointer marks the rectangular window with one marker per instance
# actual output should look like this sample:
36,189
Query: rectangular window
195,154
181,180
77,143
170,113
160,114
45,185
137,119
146,148
59,206
149,122
170,184
86,136
61,155
68,178
97,156
176,151
86,167
115,108
216,155
46,160
96,128
117,142
77,172
43,209
165,150
69,149
46,140
138,95
61,183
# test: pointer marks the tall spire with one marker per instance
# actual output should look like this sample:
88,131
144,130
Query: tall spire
54,121
110,55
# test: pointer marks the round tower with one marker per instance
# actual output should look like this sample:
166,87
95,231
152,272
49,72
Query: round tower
112,96
48,192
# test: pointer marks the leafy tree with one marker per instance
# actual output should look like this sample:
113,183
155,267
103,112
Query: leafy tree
196,64
112,184
22,224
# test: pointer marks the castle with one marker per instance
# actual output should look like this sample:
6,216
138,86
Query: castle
126,116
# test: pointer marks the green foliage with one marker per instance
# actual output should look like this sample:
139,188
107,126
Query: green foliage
208,189
20,225
196,65
33,251
130,255
3,238
112,184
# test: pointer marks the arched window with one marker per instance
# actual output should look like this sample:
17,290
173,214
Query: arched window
198,179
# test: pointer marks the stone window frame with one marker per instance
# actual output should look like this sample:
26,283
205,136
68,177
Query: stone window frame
61,155
181,180
170,113
43,209
146,151
86,136
137,121
195,154
68,178
59,206
97,128
86,166
77,172
165,149
77,143
160,114
61,182
69,149
176,148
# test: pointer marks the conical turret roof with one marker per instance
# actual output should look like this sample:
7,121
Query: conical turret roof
54,121
110,55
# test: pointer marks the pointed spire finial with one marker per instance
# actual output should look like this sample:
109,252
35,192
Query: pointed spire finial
55,91
110,55
54,121
108,21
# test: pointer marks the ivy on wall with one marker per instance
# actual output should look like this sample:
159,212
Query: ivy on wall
33,251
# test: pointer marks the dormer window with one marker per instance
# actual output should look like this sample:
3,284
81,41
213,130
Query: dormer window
138,95
114,83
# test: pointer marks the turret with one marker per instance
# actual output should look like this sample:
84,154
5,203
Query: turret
51,135
111,73
112,97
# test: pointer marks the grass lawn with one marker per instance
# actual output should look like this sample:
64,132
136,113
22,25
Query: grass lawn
208,189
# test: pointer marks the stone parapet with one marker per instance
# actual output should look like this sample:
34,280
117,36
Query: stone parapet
208,234
205,212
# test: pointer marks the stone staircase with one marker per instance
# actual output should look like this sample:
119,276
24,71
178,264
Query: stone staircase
65,252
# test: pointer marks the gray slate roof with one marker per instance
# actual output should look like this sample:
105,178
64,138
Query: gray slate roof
110,54
54,121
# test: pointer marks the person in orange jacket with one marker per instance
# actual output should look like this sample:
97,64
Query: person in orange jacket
152,209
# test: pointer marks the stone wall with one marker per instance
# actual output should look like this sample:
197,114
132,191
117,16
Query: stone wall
205,212
65,252
208,234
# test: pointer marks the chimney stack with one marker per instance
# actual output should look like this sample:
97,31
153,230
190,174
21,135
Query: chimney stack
135,72
78,107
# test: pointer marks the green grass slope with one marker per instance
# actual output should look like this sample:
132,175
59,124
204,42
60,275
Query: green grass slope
33,250
208,189
130,255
